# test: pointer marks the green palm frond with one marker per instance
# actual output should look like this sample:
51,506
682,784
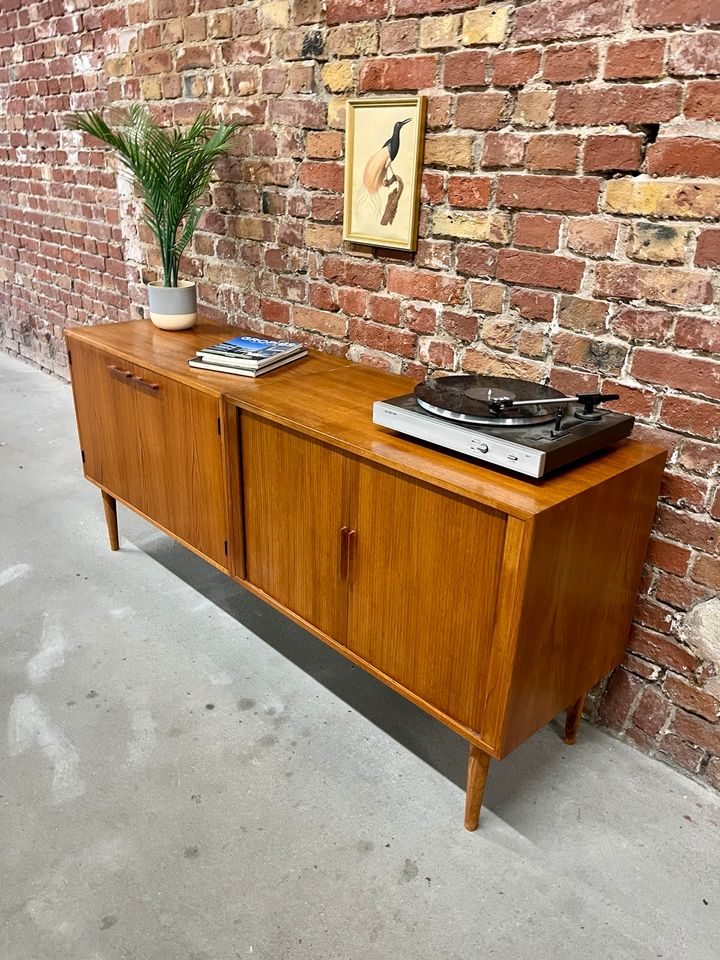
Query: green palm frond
171,169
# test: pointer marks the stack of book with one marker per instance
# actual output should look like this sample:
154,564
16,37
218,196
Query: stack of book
247,356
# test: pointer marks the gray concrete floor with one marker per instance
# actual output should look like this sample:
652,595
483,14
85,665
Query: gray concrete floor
186,776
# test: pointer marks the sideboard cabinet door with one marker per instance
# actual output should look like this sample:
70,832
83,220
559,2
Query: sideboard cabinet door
154,443
107,423
425,571
295,532
181,460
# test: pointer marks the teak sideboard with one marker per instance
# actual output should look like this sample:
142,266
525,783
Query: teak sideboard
492,602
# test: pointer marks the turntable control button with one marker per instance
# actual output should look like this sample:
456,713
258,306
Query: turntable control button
482,447
511,457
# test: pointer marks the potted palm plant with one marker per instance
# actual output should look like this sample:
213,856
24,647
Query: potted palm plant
171,170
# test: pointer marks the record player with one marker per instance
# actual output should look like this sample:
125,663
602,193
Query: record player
525,427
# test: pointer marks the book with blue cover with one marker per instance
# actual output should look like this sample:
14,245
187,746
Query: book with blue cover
209,363
250,353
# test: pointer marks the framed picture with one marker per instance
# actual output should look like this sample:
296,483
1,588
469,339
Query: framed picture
383,164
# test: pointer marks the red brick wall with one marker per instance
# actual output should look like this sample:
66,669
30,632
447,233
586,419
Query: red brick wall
572,177
61,255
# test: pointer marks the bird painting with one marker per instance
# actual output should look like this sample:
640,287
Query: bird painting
379,173
383,171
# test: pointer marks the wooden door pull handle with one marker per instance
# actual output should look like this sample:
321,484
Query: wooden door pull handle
119,374
344,552
146,385
351,543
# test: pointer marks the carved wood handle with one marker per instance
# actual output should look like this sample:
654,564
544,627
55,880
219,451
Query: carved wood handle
351,544
146,385
118,374
344,531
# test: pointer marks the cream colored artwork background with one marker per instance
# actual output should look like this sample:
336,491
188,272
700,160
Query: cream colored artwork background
373,126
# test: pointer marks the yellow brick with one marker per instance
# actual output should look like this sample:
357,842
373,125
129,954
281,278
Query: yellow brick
249,228
499,333
338,75
534,108
119,66
220,26
274,12
496,365
657,242
493,227
449,151
323,237
353,39
436,32
336,113
488,25
150,88
234,273
172,31
670,285
664,198
246,87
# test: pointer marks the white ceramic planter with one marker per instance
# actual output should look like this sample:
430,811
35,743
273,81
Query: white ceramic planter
173,308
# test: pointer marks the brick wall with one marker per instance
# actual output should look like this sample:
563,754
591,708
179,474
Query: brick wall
572,177
61,245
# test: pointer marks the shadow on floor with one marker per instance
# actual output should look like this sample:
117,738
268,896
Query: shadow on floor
526,770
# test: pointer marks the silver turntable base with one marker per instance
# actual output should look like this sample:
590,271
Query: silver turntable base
531,449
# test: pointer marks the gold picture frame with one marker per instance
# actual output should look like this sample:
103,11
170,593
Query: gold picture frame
383,167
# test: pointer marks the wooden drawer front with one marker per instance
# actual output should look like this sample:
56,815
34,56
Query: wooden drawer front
153,443
425,569
294,515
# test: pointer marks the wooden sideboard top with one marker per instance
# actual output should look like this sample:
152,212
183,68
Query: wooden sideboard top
331,399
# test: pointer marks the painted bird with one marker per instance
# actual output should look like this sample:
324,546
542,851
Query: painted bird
378,170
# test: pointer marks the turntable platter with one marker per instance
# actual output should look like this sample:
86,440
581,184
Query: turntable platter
468,398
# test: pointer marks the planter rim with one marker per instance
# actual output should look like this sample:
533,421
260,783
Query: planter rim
181,284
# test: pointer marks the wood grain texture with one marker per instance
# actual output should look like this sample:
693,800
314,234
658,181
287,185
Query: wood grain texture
489,600
110,508
167,353
463,731
232,460
222,567
477,771
107,422
331,399
180,460
572,720
157,449
423,587
295,508
335,406
489,720
582,572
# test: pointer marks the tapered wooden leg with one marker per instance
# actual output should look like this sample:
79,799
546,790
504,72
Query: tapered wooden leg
478,763
572,720
110,505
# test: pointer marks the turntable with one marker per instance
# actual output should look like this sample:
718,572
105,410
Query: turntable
525,427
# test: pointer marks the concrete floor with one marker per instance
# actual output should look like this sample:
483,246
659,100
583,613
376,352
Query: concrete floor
187,776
